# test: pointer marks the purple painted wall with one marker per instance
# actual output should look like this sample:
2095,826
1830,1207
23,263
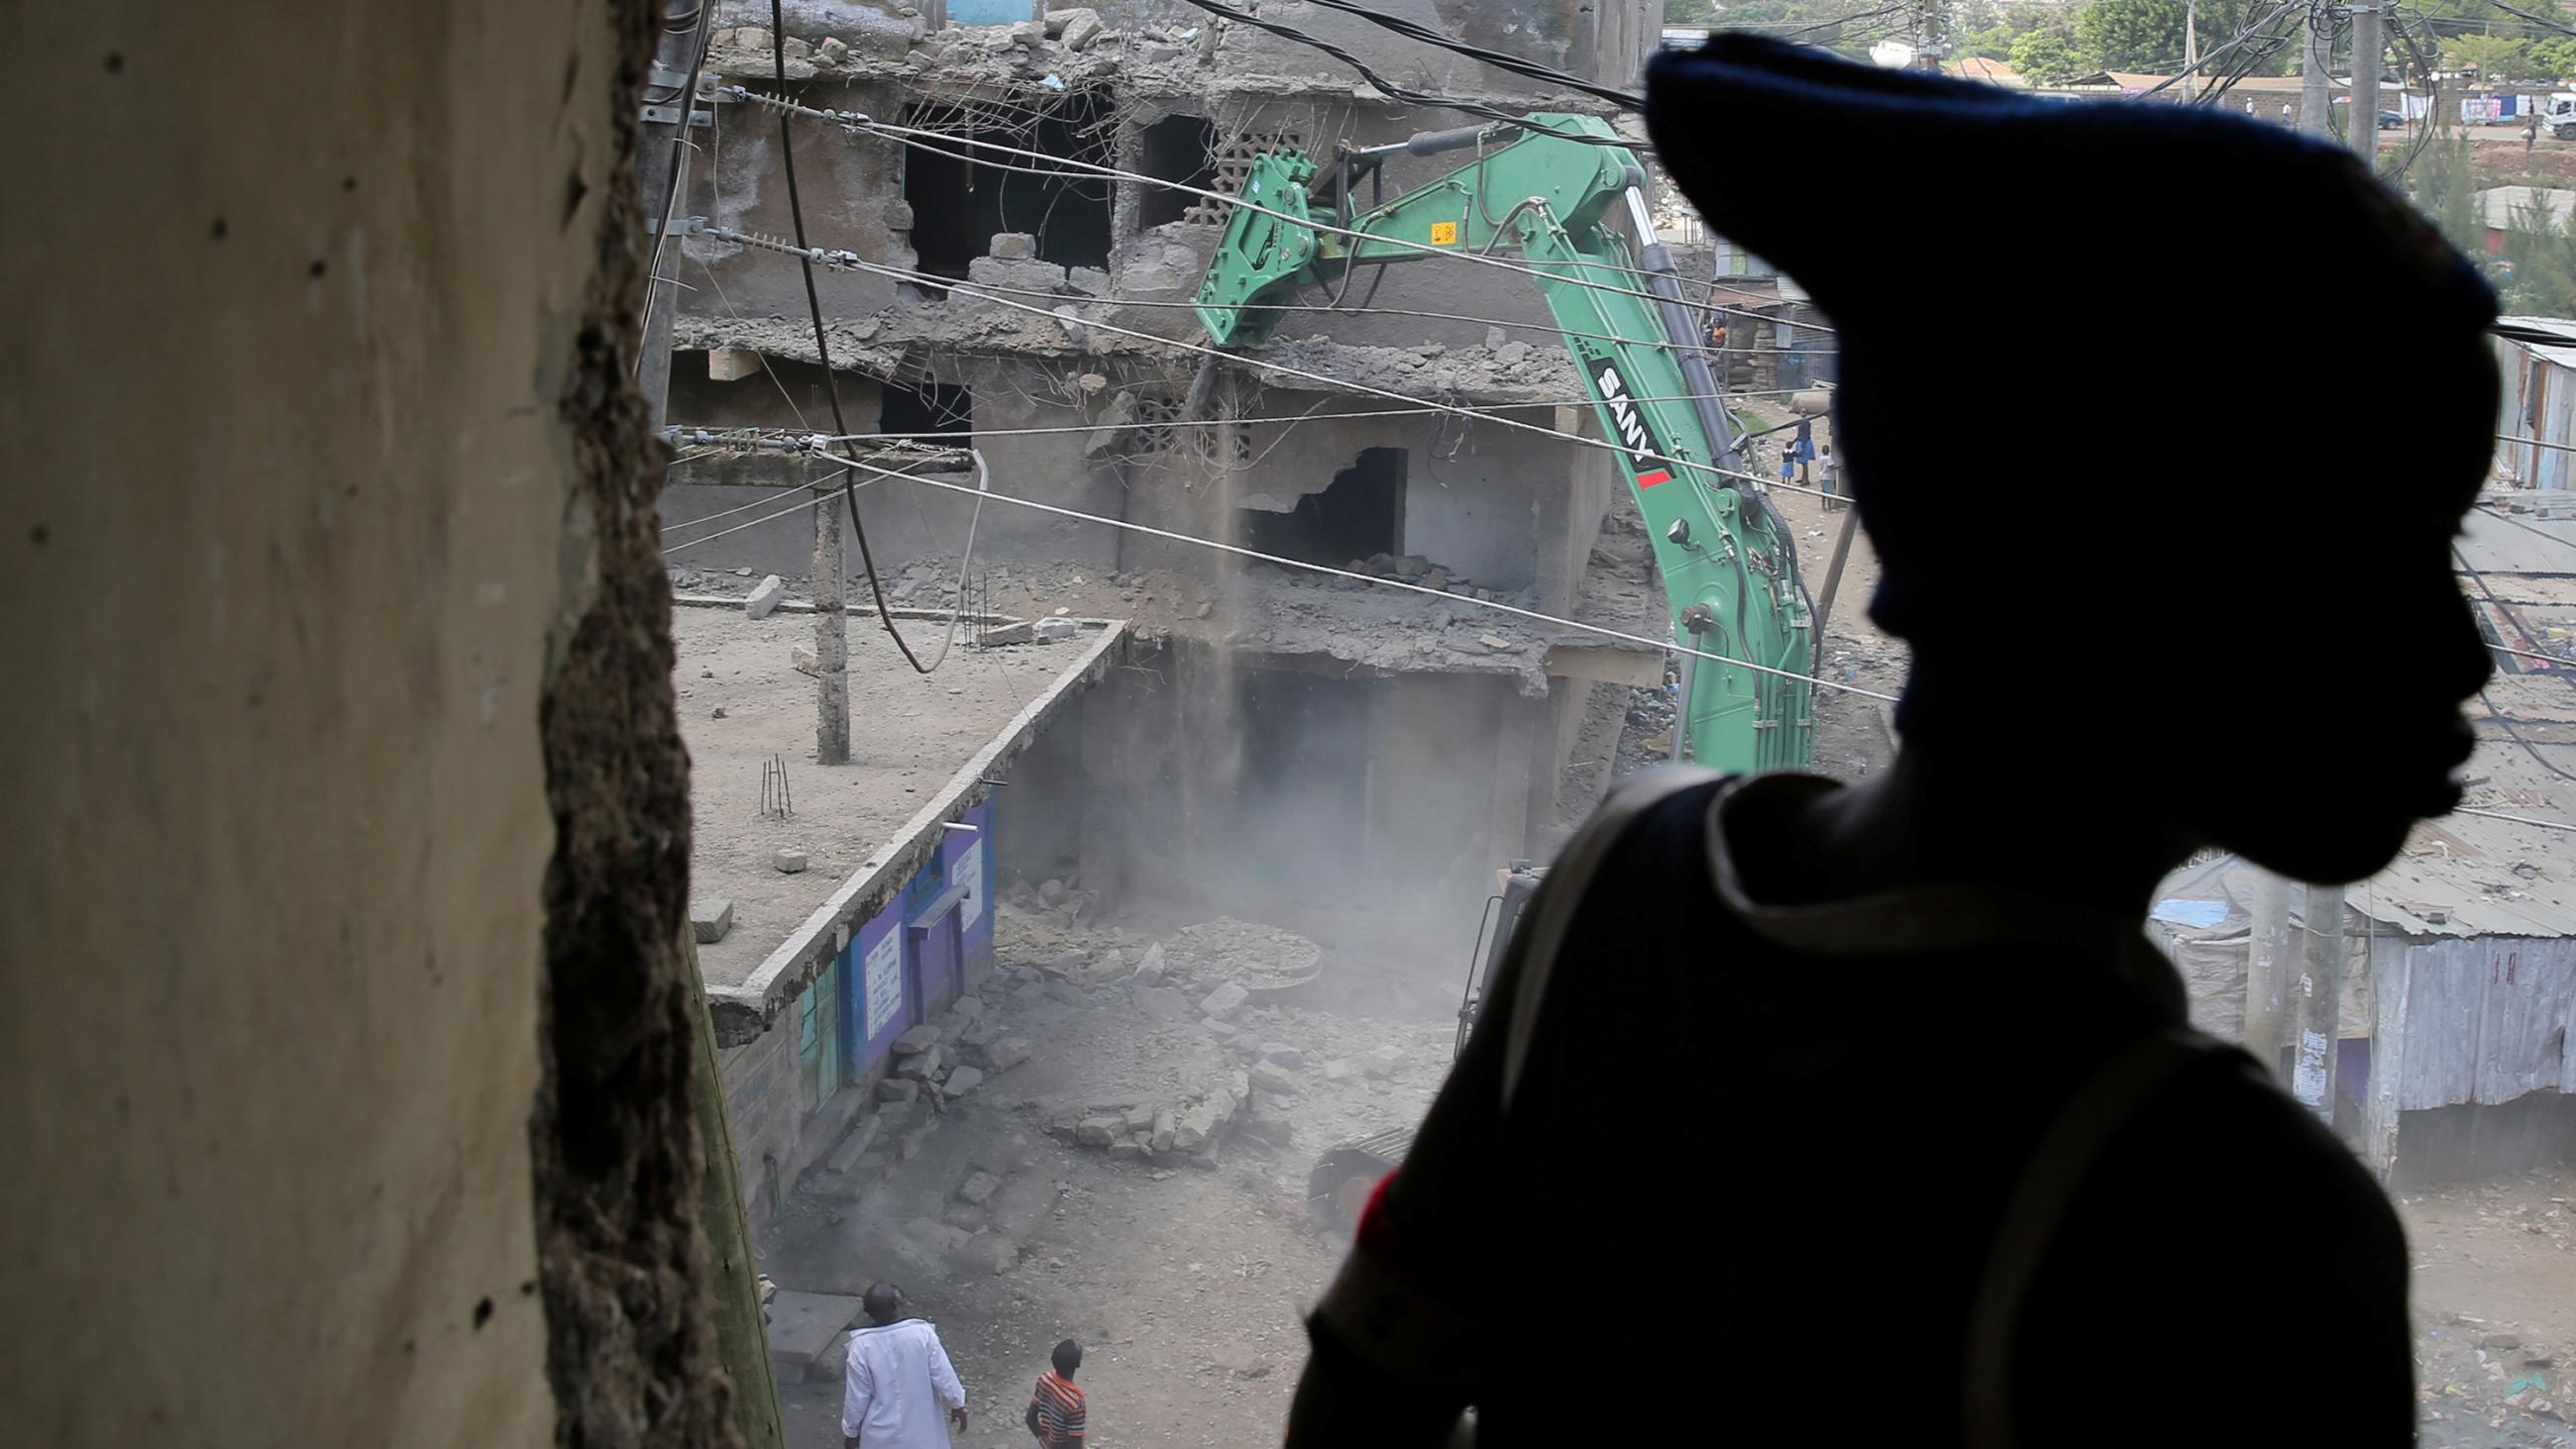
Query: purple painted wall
881,968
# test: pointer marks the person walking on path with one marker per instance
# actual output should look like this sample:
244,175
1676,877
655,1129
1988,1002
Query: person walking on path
898,1380
1057,1413
2530,130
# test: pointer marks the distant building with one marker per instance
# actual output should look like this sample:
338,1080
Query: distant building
1992,72
2536,359
2503,209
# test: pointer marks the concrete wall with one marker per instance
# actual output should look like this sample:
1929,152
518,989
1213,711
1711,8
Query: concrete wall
314,391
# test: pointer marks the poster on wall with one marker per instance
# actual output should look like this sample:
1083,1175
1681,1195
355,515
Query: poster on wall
883,977
968,870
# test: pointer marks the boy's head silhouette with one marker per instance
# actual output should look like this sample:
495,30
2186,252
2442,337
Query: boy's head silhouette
2212,598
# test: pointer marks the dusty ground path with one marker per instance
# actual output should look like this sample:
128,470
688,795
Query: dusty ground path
1185,1282
2495,1310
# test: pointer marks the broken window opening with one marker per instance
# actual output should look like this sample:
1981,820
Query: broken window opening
1359,515
1181,149
959,206
932,410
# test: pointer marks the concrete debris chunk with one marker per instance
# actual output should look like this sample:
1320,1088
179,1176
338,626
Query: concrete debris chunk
1149,971
961,1080
802,656
1223,1001
1341,1069
896,1089
1019,633
765,598
1158,1139
990,1253
1053,631
711,918
751,37
1383,1061
1497,643
916,1040
831,51
969,1007
1012,245
980,1033
1007,1053
1273,1078
926,1066
978,1188
1081,27
1281,1052
788,861
1098,1131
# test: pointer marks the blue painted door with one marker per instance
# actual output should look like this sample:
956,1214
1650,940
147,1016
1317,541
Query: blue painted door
934,965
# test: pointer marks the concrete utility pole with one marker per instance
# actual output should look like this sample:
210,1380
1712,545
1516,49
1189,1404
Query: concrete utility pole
831,629
2268,950
2312,1059
662,168
2191,46
2316,57
2363,123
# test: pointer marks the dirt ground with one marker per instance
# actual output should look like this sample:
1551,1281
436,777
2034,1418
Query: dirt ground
743,703
2495,1309
1185,1282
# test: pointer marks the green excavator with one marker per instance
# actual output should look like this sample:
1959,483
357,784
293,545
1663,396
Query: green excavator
1549,191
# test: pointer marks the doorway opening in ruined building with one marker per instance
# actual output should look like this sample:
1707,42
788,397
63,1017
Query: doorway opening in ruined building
1175,148
932,410
1360,513
959,204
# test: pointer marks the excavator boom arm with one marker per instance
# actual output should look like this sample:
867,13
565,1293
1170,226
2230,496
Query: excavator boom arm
1728,561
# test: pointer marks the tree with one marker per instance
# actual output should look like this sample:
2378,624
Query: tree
2542,247
2494,57
2554,59
2046,58
2147,35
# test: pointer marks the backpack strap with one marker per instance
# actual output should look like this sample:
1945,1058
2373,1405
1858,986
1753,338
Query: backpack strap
1541,936
2067,1152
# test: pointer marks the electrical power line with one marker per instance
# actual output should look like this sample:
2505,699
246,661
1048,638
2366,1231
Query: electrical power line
2516,819
927,140
1625,100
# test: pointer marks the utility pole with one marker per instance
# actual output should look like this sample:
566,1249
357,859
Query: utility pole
2316,55
2268,949
662,169
2363,123
2191,46
831,628
2312,1069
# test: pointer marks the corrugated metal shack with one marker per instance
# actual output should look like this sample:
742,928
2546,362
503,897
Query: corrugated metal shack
2459,972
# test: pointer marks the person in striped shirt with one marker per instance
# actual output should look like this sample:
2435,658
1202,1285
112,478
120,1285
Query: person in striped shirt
1056,1409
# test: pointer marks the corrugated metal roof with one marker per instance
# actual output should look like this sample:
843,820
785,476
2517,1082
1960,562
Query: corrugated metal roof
2513,544
2462,875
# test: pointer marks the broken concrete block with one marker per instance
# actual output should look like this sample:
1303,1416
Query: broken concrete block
860,1138
980,1034
1023,273
1027,34
1089,281
751,37
1140,1118
1224,1001
896,1089
1149,972
916,1039
968,1008
1273,1078
1055,21
1098,1131
792,50
1281,1052
1007,1053
802,656
1019,633
1341,1069
1054,630
961,1080
726,364
765,598
1158,1138
1127,1147
1410,566
802,1326
1497,643
1512,354
711,918
788,861
1221,1030
1081,27
832,51
1383,1061
1012,246
978,1188
925,1066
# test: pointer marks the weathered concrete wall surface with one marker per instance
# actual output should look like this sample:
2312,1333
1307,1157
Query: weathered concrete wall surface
317,437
